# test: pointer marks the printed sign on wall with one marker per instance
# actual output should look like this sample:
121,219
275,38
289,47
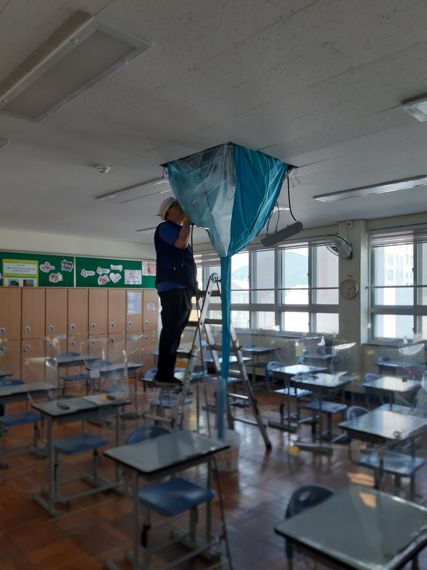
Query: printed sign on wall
36,270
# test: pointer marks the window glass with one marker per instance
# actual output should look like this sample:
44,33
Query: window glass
394,326
295,276
326,275
393,265
327,323
240,319
265,320
264,276
295,321
394,296
424,328
240,278
422,272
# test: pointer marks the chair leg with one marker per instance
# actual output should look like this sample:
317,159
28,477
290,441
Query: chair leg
145,543
95,464
55,474
412,487
194,516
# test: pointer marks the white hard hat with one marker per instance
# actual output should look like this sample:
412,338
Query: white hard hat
165,205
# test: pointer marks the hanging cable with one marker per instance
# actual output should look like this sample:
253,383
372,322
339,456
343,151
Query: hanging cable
289,200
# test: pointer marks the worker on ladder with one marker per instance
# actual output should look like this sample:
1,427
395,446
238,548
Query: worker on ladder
176,284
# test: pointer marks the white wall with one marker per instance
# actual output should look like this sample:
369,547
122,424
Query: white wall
17,240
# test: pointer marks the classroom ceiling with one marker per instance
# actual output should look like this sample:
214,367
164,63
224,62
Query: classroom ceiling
317,84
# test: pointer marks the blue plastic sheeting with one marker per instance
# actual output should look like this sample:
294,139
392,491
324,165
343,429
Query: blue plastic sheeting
230,190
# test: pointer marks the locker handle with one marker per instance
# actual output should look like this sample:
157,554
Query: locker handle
72,326
130,323
93,325
112,323
146,322
2,330
50,328
26,348
2,350
27,328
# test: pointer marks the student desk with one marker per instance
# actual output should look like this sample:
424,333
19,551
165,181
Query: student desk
256,352
78,410
359,528
4,373
384,427
287,373
159,457
400,368
391,386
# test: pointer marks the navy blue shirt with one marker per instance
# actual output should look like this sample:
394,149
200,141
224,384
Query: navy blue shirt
175,266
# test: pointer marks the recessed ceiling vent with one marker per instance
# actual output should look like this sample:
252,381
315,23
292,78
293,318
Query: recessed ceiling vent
76,56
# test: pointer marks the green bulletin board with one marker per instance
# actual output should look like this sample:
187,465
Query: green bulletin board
36,270
102,272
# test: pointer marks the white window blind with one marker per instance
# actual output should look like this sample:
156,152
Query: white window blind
401,236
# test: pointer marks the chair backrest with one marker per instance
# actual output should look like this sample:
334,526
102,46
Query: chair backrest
303,498
355,411
271,366
146,432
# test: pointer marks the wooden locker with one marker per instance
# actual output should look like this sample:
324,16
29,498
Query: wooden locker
116,311
33,360
10,312
98,304
56,312
150,310
98,346
134,310
33,313
116,347
78,312
10,357
78,344
150,345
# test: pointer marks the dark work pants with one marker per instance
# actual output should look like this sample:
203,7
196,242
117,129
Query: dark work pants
176,308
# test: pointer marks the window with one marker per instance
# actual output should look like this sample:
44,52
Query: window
291,289
398,283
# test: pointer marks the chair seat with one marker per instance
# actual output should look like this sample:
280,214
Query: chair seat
78,443
327,407
76,378
293,392
19,419
394,462
174,497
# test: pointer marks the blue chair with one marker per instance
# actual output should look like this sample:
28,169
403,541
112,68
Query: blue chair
354,412
305,497
168,498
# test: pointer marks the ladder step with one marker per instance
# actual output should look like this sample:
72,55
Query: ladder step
213,321
238,396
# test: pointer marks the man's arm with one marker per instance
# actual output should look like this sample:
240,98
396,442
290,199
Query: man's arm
184,234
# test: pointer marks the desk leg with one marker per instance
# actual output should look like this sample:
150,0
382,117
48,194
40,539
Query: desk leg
49,503
209,503
136,559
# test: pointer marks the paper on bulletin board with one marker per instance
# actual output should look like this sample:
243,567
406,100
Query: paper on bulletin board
133,277
20,272
148,268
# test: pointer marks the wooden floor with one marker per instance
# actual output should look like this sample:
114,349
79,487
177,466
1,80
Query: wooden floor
99,527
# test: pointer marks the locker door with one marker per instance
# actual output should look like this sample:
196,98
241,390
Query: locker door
116,311
98,304
78,312
116,347
33,313
32,361
56,312
10,357
150,344
150,310
10,312
134,310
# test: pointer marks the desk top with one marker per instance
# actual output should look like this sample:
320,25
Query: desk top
295,369
167,453
258,349
385,425
4,373
116,366
69,406
406,410
323,380
25,388
362,531
392,384
74,359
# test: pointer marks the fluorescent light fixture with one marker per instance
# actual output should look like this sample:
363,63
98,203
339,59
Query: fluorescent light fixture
281,235
383,188
417,109
77,55
147,229
133,193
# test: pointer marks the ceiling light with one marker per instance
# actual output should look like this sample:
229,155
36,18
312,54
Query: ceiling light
146,229
383,188
78,54
103,168
417,109
132,193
